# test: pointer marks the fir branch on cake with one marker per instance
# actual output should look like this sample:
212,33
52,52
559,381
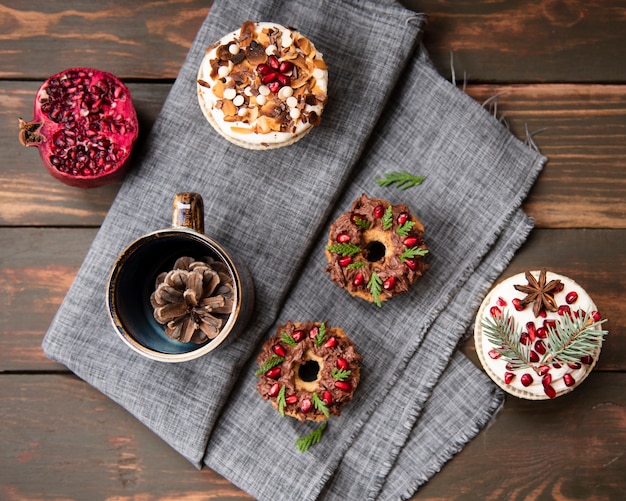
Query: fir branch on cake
344,249
402,180
271,362
502,332
304,443
573,338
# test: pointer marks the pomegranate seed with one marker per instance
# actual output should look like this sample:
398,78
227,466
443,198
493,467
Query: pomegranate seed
342,363
274,86
273,373
343,385
540,347
571,297
569,380
389,283
285,67
411,263
543,370
343,238
550,391
314,332
306,405
344,261
291,399
283,79
517,304
526,379
495,312
542,332
410,241
379,211
508,377
298,335
575,366
524,338
403,218
586,360
358,280
533,356
549,324
274,389
543,314
327,397
546,380
273,62
532,330
563,309
495,354
501,302
556,365
272,76
596,316
559,287
331,342
279,350
264,69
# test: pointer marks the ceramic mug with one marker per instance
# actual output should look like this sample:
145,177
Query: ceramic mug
133,277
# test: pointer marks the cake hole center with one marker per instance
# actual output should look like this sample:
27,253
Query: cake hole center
375,251
309,371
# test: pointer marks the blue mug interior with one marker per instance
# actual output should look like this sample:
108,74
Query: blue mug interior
136,273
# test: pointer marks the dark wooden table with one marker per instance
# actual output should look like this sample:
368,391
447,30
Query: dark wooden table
557,69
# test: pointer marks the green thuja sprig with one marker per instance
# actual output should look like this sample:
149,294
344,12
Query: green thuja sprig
413,252
280,400
273,361
404,229
320,337
375,286
341,374
387,219
362,224
287,339
304,443
402,180
319,404
344,249
355,265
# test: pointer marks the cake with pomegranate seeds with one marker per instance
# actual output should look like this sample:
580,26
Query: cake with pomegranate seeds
538,334
263,86
308,370
376,250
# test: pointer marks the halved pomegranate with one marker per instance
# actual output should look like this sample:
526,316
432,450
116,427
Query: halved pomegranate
84,125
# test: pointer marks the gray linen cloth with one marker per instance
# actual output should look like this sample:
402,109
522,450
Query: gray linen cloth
418,401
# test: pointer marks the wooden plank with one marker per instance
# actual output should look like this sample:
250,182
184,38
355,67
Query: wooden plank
87,445
62,439
147,40
582,129
520,41
527,40
28,194
37,266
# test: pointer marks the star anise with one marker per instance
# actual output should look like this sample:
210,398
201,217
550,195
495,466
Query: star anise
540,293
193,299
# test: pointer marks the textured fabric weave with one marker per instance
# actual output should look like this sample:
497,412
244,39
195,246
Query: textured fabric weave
388,110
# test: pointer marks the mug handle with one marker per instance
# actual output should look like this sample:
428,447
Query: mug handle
188,211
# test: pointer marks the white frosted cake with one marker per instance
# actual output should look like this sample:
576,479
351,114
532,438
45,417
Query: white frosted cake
263,86
538,334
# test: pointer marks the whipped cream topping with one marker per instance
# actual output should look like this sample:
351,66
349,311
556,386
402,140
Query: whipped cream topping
263,84
530,382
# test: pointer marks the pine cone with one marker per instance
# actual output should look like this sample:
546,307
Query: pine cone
194,299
